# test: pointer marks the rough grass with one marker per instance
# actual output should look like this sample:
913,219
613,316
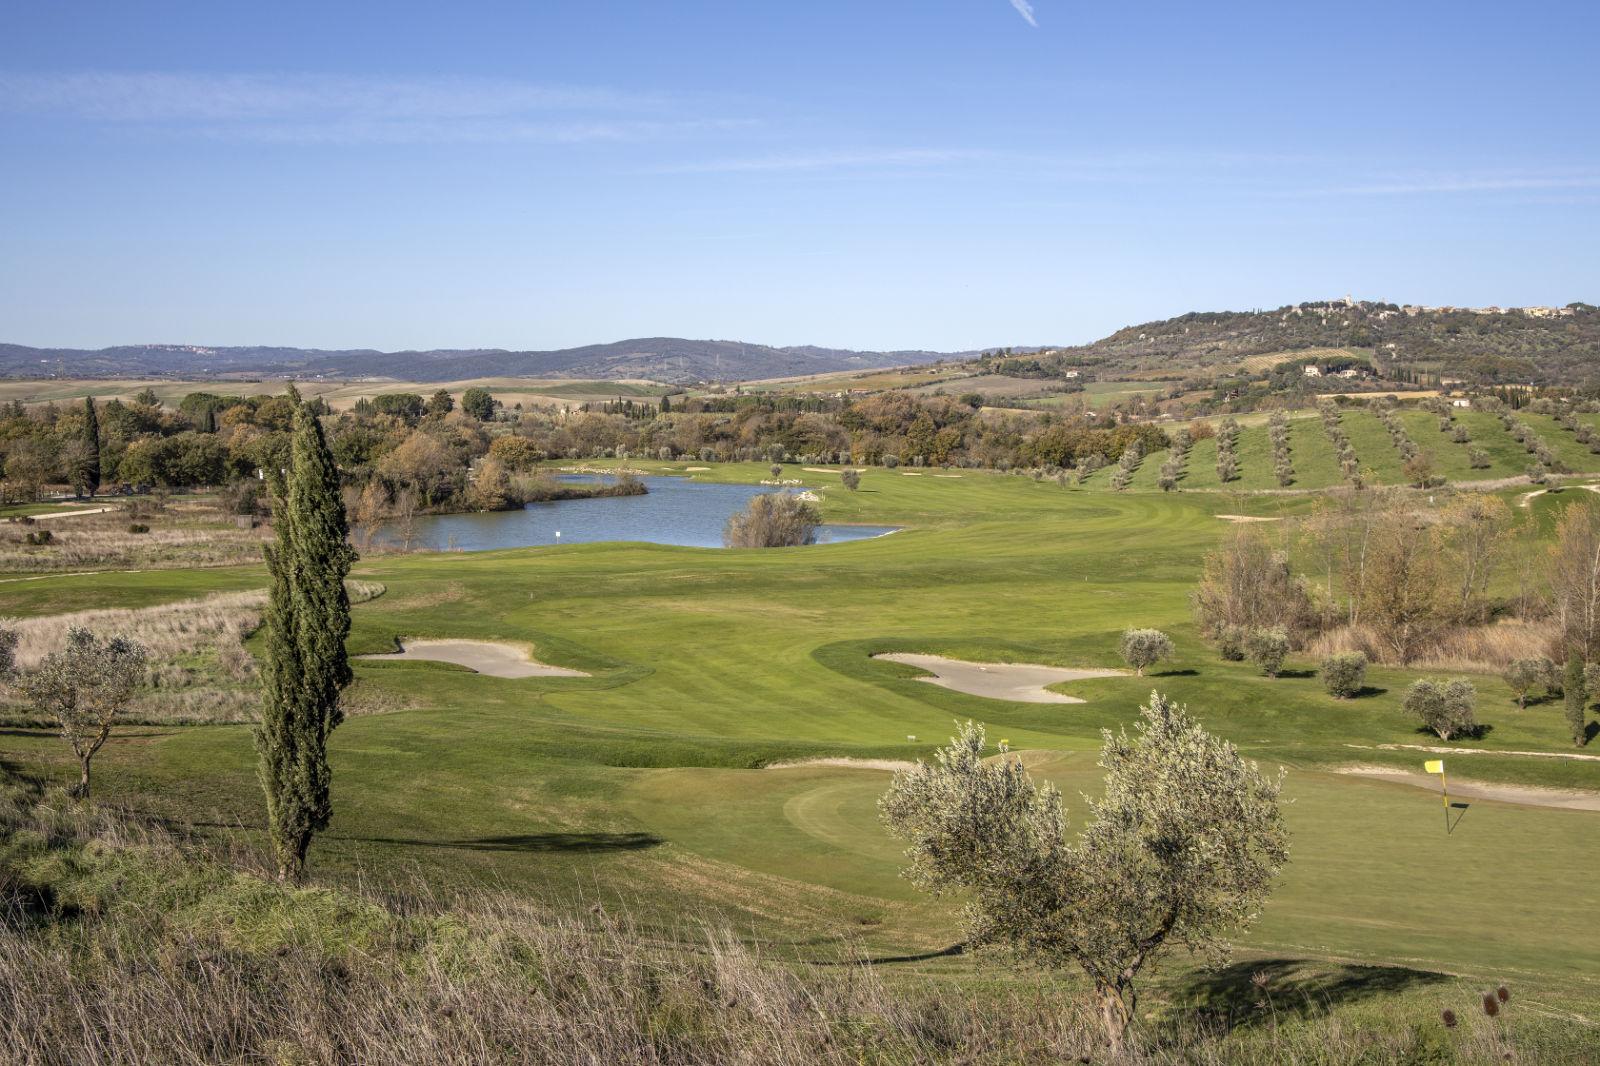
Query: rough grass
188,534
199,669
1486,649
120,943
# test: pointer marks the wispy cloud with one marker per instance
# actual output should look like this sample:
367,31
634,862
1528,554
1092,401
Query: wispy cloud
1447,184
829,160
318,108
1025,9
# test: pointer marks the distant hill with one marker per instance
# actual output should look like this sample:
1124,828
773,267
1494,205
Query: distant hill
1492,345
668,359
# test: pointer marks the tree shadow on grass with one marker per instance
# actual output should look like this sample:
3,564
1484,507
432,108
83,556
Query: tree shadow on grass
1251,992
1187,671
1297,673
1367,691
535,842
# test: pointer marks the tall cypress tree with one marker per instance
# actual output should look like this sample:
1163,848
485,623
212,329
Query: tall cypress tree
1576,695
307,620
88,472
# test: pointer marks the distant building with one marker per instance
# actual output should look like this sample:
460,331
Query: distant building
1313,371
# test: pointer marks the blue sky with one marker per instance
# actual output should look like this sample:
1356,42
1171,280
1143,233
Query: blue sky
901,174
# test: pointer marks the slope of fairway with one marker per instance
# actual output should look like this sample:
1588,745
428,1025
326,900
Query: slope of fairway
641,782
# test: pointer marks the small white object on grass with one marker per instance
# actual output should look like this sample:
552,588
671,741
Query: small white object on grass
911,738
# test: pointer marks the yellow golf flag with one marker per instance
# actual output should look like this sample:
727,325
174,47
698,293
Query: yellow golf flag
1434,766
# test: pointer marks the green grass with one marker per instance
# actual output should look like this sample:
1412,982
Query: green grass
642,782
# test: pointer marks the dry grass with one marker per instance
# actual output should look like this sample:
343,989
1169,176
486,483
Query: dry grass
199,669
1486,649
187,534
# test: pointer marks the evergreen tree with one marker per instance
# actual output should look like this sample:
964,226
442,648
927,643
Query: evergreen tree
306,621
87,474
1577,698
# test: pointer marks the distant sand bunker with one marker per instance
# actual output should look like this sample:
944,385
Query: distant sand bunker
483,656
1246,518
841,760
1019,682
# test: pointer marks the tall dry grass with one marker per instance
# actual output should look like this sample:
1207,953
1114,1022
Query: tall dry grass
1469,649
199,670
180,535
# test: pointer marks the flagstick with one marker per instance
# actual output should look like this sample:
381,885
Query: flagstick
1445,789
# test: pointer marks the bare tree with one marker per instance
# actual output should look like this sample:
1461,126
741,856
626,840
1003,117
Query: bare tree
1575,579
1401,590
84,686
1182,848
1248,582
1478,527
405,517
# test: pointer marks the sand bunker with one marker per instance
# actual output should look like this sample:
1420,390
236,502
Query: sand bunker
840,760
1019,682
1246,518
495,658
1519,794
696,469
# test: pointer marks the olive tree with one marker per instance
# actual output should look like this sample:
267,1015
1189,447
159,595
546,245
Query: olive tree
851,479
1522,676
1445,707
1344,675
1145,647
1180,850
1267,647
773,520
84,686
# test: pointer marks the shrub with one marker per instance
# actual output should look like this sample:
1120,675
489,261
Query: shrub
1267,647
1522,676
1230,643
773,520
1344,675
1445,707
851,479
1145,647
138,527
891,461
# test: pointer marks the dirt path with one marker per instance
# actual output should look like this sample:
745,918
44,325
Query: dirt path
494,658
1019,682
69,514
1440,749
1526,796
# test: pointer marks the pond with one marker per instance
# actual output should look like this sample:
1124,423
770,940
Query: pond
675,511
